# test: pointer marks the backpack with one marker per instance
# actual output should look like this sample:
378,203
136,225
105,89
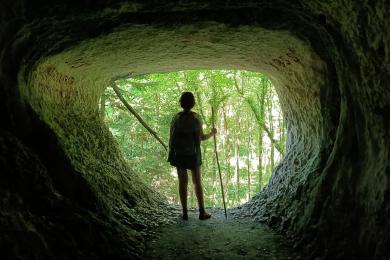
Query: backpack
184,143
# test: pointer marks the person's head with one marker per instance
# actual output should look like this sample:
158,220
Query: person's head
187,101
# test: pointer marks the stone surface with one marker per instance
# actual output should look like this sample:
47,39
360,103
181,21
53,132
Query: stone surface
237,237
328,60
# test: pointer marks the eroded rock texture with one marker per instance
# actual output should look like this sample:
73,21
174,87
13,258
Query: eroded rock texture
66,191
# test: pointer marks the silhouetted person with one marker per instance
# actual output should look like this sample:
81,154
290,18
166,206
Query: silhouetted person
184,151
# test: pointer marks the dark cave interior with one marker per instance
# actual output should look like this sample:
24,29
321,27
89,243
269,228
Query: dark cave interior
66,192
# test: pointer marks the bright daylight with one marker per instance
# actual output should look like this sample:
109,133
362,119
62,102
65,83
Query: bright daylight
251,132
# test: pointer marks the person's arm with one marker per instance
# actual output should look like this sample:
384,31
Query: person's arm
202,135
171,131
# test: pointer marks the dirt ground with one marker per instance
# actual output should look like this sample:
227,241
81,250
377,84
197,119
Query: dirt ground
238,237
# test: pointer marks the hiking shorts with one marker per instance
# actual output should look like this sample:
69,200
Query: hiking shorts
185,161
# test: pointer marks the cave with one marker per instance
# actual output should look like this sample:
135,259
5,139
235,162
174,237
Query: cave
66,191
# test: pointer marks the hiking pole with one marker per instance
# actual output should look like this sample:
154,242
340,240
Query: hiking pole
217,159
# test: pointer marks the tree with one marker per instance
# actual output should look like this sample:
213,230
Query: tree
242,101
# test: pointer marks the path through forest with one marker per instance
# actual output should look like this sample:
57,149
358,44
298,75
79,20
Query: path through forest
236,238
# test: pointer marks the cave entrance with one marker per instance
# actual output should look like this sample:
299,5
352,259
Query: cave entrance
251,129
65,88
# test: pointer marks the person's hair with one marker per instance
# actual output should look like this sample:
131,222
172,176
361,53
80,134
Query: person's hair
187,101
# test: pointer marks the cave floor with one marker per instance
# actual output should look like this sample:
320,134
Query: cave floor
236,238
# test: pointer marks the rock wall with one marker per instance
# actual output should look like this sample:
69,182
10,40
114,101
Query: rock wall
329,62
340,207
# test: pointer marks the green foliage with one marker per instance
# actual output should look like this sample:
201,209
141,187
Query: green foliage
248,117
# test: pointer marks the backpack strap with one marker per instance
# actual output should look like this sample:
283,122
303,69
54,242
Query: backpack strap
180,114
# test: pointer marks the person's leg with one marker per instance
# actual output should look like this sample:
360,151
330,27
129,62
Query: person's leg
197,181
183,183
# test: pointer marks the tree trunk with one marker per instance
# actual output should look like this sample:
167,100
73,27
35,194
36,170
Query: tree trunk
266,88
237,153
261,102
139,118
248,161
192,198
260,157
227,149
271,129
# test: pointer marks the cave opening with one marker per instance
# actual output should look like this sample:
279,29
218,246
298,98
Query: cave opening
67,191
65,90
252,135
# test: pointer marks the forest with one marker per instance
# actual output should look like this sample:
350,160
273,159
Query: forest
251,130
